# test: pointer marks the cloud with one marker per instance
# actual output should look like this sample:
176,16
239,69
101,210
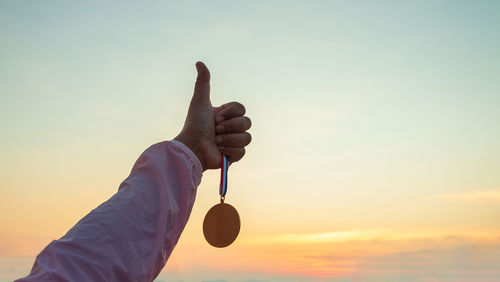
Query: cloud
326,237
447,254
380,255
469,262
367,235
488,196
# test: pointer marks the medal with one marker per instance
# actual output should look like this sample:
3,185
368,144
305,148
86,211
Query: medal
222,222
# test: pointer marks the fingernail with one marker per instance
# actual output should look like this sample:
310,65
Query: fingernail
218,139
219,128
219,119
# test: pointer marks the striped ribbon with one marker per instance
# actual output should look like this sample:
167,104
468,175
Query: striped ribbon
223,176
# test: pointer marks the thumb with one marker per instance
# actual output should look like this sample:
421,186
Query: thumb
202,87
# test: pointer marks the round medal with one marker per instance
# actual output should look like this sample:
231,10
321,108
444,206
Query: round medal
221,225
222,222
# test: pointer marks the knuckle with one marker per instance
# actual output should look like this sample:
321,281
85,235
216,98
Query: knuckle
248,137
248,122
239,107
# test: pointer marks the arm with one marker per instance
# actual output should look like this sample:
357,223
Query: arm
130,236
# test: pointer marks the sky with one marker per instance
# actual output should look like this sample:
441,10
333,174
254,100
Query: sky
375,152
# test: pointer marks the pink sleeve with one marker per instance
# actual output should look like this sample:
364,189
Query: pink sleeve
130,236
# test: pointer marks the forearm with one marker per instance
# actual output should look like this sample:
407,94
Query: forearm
130,236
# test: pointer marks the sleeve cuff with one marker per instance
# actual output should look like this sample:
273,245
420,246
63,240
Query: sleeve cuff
194,159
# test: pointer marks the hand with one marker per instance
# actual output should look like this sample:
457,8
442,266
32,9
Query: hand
209,131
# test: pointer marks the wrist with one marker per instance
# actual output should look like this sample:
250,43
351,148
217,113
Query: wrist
195,148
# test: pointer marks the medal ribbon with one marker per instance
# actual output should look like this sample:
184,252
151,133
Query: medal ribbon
224,166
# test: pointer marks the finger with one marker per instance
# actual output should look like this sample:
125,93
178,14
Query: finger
232,153
233,139
224,106
202,86
229,111
234,125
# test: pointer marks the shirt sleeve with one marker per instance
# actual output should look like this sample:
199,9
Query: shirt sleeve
130,236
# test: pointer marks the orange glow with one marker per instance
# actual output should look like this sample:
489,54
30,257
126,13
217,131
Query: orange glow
337,254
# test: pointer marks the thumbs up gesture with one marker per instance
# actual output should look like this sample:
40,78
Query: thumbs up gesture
209,131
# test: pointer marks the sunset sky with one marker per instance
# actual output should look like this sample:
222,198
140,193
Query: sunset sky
376,130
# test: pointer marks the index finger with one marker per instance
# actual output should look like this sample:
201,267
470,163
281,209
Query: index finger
229,111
